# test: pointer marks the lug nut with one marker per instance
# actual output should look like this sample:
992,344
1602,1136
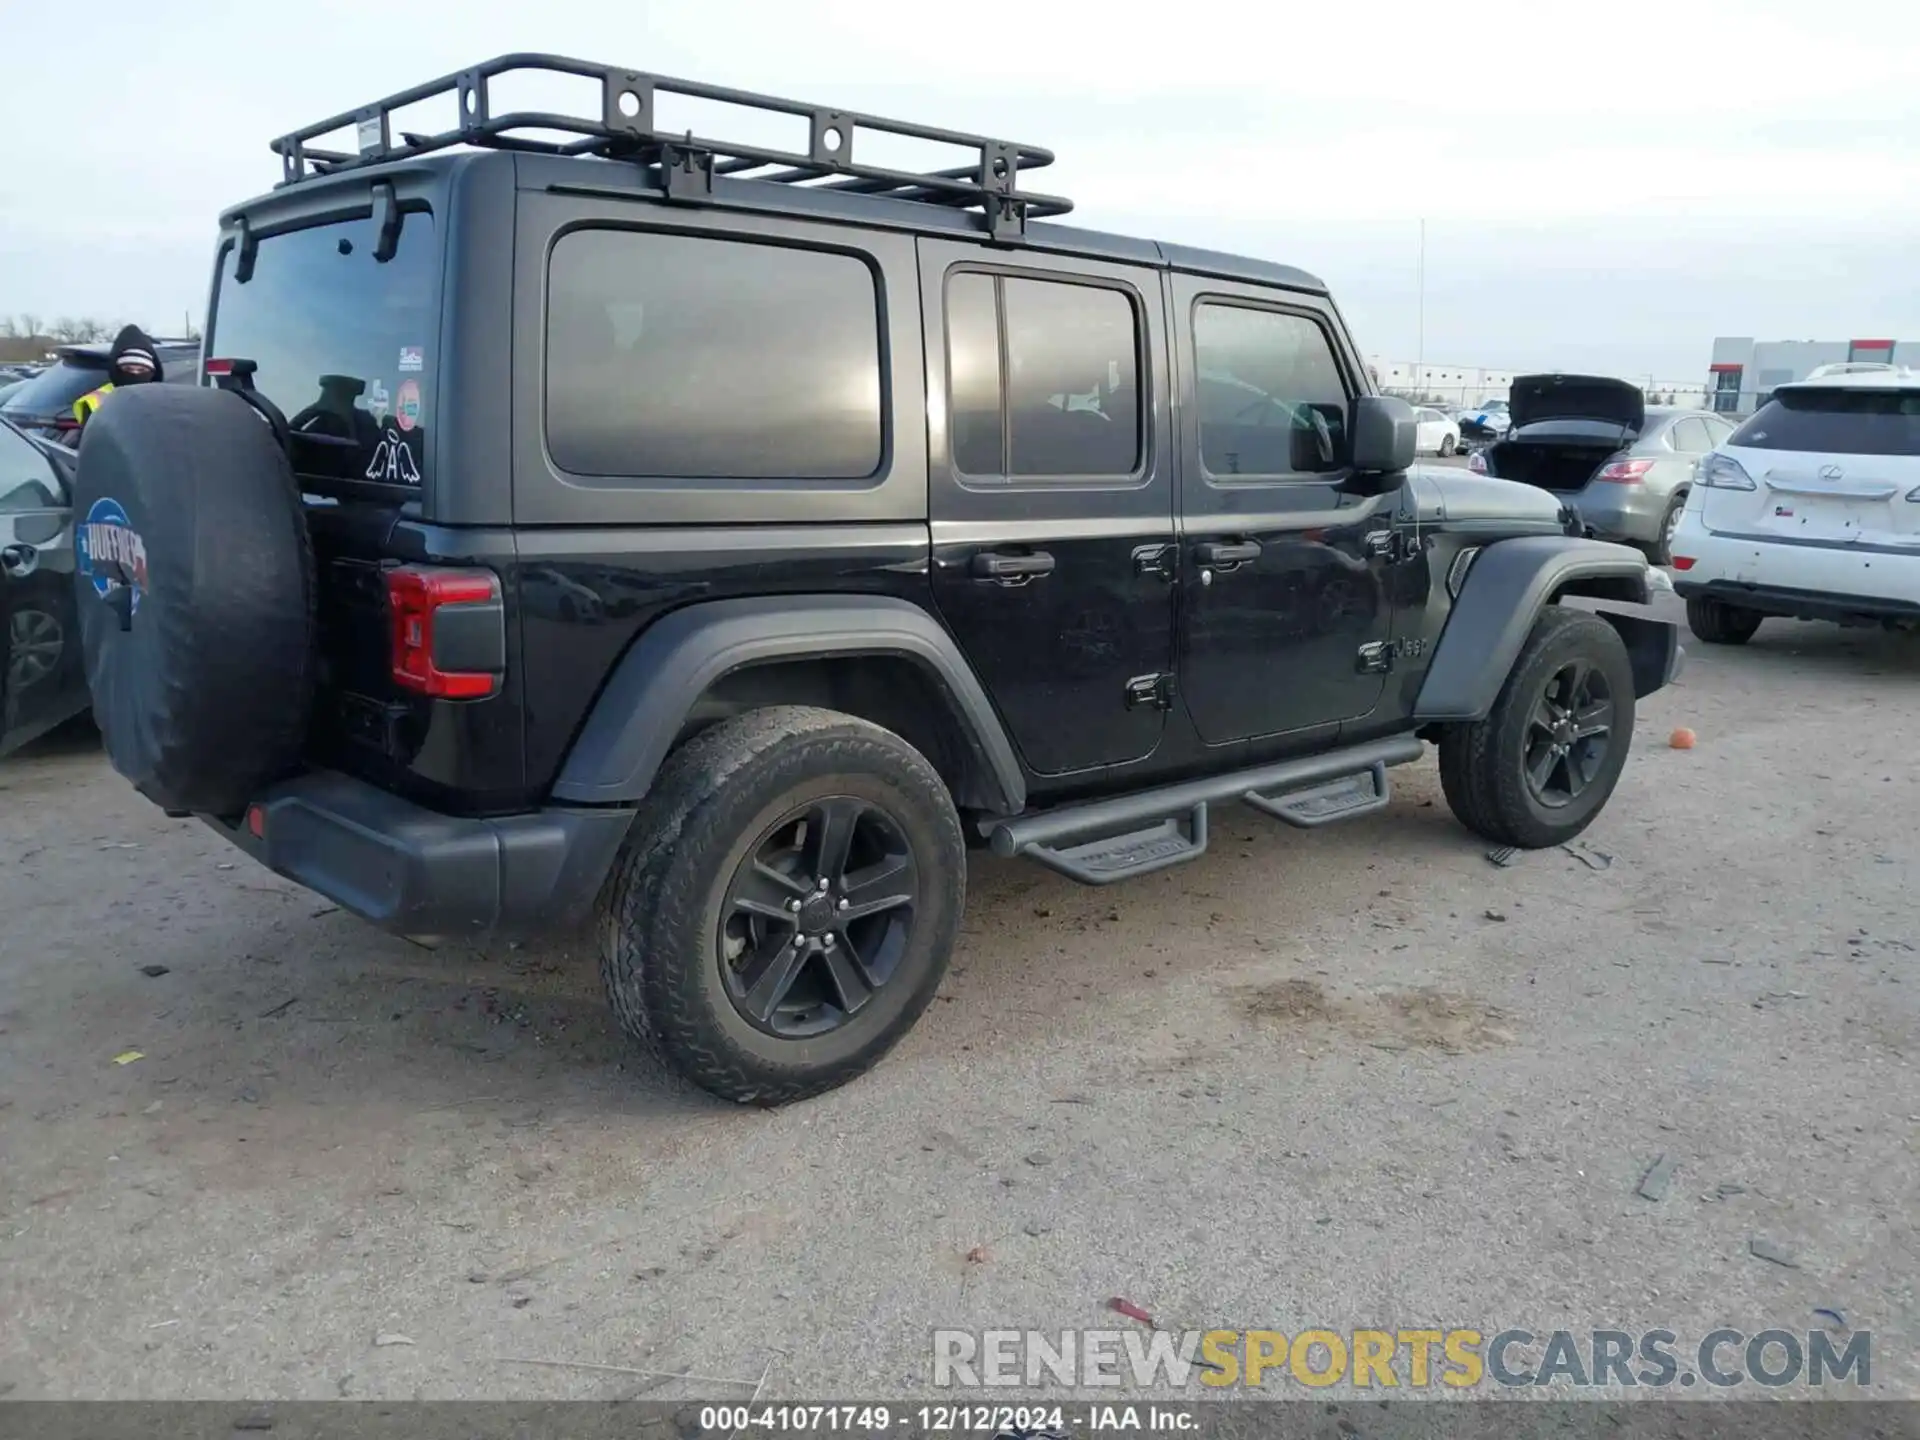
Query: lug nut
844,903
794,906
827,941
821,883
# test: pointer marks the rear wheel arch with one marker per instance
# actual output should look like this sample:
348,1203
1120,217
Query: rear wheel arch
883,687
881,658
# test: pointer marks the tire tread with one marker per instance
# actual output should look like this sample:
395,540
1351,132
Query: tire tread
1714,622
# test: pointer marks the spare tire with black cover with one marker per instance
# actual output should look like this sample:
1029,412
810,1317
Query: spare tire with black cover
195,581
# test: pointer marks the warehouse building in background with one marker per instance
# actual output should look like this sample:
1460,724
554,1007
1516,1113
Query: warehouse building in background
1744,371
1465,385
1469,386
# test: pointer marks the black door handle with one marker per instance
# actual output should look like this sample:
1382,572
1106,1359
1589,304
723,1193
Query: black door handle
1011,569
1227,552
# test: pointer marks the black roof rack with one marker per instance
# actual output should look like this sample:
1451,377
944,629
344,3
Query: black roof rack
625,129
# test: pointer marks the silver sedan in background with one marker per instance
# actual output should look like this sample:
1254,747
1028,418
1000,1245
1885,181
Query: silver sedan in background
1632,491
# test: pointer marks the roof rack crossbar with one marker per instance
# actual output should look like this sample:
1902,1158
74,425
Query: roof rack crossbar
626,128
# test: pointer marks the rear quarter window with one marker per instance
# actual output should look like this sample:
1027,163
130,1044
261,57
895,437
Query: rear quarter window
692,357
1836,422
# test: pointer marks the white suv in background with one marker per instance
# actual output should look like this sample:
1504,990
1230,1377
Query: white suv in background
1810,510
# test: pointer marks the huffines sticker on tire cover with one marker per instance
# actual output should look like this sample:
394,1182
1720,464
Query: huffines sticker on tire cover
110,552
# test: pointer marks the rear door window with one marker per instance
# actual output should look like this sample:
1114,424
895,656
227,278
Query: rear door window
344,344
1836,422
976,417
1073,381
1043,378
684,356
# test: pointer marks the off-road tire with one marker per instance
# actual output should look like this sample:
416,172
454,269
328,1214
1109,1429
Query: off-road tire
658,913
1715,622
1482,767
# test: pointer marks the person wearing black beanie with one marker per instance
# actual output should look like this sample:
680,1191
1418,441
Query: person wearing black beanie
132,361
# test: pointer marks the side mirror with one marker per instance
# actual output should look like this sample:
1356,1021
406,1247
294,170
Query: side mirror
1384,435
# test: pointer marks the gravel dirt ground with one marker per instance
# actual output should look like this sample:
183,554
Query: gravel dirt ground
1355,1078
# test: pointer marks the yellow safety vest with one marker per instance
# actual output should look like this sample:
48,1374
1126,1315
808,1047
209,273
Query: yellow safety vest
84,407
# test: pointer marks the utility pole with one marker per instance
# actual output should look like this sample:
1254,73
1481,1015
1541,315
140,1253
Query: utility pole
1420,336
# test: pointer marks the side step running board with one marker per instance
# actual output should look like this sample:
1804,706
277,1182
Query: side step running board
1331,800
1108,840
1121,857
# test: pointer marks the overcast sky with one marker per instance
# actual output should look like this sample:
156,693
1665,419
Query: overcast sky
1605,187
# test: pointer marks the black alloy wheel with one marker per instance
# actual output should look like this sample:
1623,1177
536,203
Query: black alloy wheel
817,916
1568,734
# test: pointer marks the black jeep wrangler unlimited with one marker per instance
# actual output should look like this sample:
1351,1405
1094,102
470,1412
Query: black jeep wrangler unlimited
721,539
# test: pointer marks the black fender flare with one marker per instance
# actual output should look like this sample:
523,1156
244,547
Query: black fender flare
1507,585
647,700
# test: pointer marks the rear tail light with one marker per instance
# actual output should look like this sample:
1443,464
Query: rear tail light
1723,472
1477,462
449,631
1624,472
1683,562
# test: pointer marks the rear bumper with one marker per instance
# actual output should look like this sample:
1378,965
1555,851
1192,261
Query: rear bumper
417,872
1803,604
1814,582
1620,512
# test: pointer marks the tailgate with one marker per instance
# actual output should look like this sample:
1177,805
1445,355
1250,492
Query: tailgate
357,705
1822,504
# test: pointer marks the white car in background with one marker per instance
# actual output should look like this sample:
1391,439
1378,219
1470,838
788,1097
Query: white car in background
1437,433
1851,367
1810,510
